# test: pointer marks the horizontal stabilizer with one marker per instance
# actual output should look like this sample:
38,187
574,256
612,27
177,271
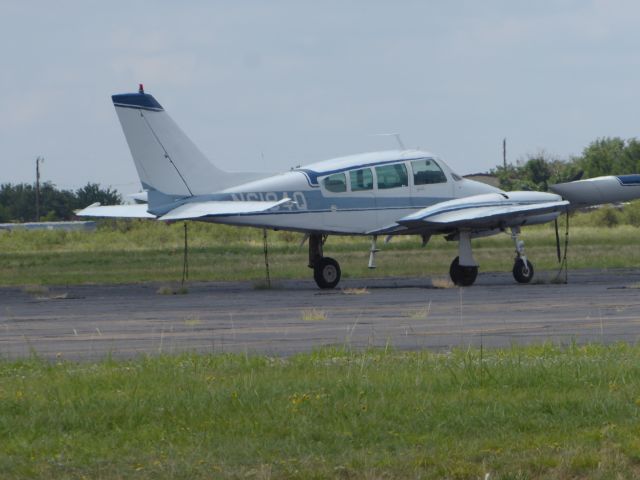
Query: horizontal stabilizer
194,210
115,211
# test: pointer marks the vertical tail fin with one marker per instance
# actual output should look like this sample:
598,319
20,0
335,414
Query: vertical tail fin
168,162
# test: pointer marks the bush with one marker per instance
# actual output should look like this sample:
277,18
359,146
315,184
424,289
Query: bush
608,216
631,214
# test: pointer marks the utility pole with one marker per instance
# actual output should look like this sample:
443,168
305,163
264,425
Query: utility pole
39,160
504,153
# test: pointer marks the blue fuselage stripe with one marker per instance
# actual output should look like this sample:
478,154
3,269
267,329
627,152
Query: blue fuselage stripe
629,180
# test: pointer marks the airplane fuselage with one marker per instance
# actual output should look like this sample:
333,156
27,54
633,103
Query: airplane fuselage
350,195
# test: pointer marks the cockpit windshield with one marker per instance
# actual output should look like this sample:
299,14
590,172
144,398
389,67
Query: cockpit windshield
427,171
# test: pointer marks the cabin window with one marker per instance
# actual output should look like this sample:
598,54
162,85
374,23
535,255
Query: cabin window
426,172
392,176
361,180
336,183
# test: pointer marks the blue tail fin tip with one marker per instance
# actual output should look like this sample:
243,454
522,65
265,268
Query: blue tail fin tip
139,100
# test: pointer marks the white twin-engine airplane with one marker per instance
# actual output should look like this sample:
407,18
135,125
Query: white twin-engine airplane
404,192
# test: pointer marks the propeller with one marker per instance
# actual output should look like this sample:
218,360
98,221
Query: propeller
577,176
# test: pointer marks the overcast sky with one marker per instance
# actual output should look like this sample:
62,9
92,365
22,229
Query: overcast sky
266,85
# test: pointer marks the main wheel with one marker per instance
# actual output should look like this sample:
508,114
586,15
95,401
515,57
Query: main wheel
522,273
461,275
326,272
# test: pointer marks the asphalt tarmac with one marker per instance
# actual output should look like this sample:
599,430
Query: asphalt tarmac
90,322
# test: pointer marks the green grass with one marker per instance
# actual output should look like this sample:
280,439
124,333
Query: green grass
141,251
519,413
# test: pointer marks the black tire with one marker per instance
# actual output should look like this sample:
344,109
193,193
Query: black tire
326,272
522,274
460,275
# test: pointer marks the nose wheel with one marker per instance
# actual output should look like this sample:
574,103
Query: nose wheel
522,270
522,267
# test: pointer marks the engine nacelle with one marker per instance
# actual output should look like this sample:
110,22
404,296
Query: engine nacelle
599,190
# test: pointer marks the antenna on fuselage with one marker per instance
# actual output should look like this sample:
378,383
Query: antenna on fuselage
396,135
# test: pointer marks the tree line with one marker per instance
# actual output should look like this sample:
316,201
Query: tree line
18,202
605,156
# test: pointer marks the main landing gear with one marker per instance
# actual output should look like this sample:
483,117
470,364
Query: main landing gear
326,271
464,269
462,275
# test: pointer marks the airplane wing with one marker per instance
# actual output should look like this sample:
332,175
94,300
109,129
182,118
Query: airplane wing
489,216
195,210
115,211
481,212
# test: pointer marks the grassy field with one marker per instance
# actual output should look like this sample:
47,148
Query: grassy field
520,413
141,251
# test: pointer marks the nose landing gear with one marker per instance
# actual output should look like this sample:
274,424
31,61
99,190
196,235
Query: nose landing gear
522,268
